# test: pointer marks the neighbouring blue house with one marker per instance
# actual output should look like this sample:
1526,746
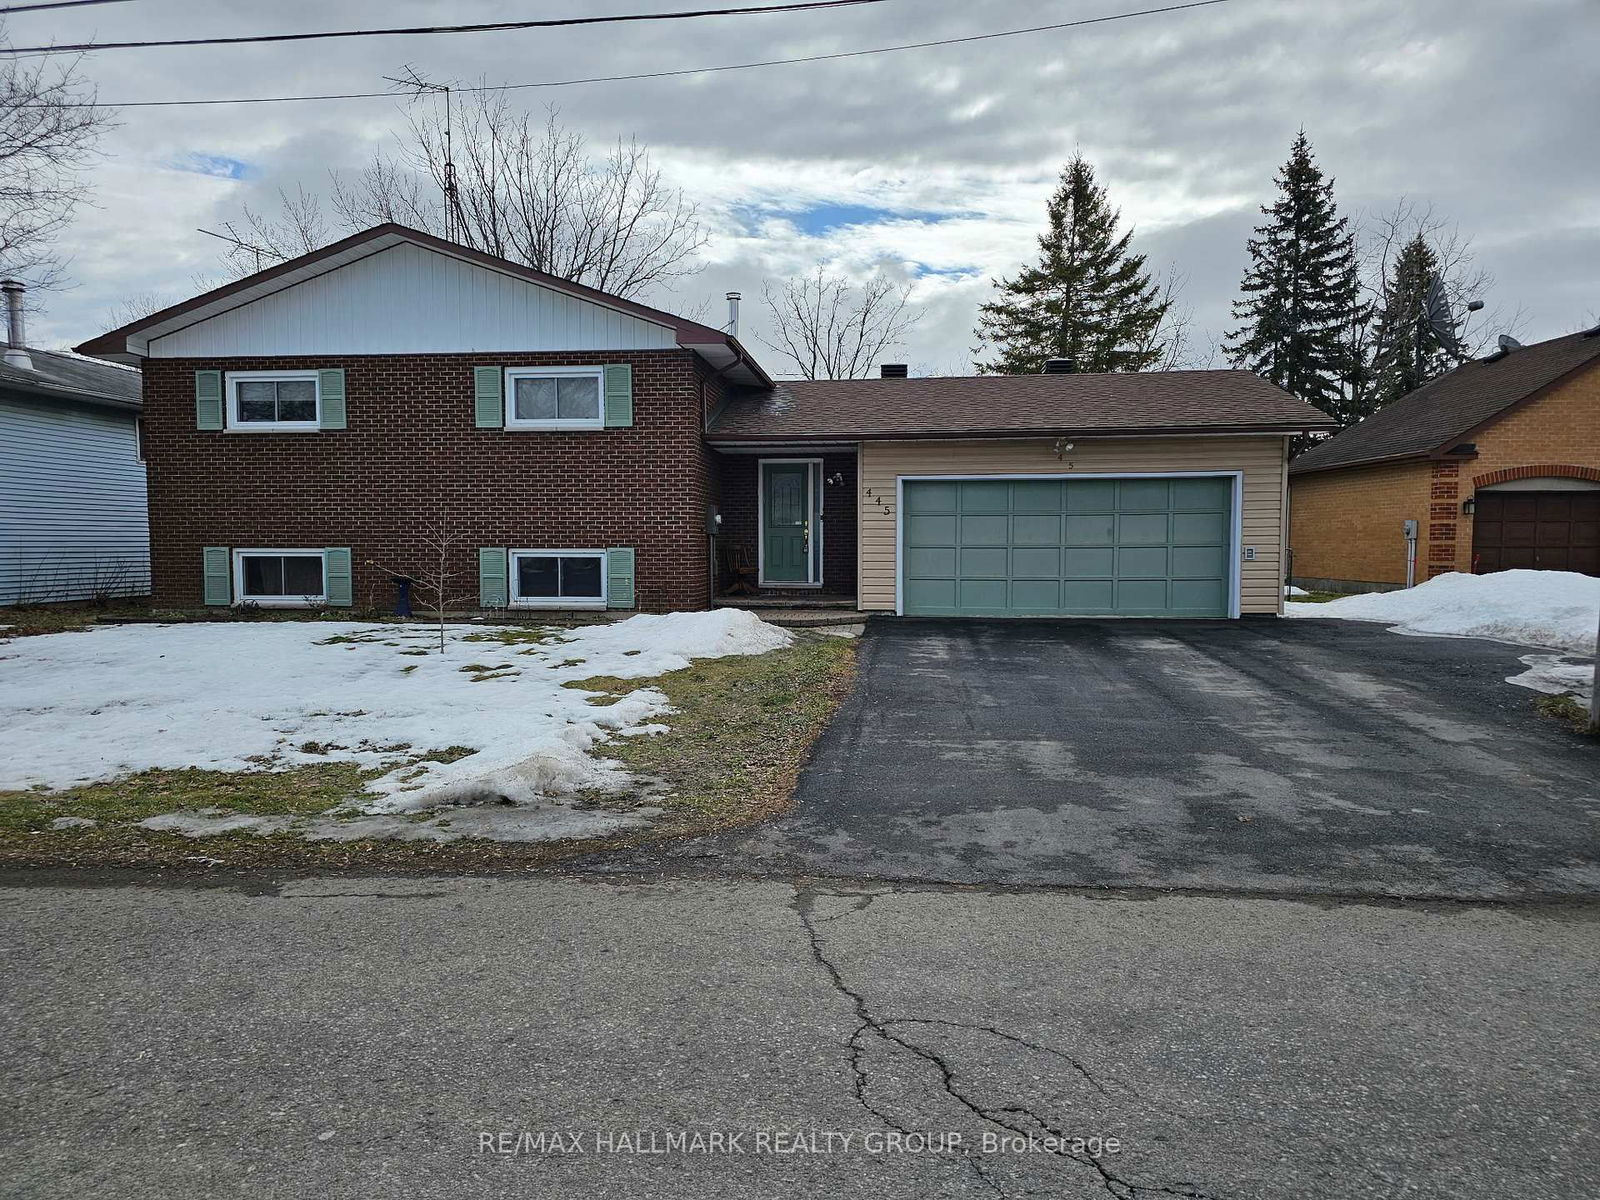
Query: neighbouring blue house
73,524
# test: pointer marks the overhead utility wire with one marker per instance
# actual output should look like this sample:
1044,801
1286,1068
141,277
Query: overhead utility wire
490,27
11,8
772,62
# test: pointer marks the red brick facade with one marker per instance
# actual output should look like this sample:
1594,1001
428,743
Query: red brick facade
1345,523
411,451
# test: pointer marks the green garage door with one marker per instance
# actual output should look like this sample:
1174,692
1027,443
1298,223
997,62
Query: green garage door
1067,547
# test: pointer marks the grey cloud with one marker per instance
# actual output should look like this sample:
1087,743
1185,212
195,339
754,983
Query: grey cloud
1483,108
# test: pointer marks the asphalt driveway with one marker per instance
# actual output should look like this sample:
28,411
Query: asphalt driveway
1293,756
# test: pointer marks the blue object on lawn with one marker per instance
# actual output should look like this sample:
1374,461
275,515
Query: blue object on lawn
402,599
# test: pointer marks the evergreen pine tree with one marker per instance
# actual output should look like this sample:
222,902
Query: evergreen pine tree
1406,353
1089,298
1301,291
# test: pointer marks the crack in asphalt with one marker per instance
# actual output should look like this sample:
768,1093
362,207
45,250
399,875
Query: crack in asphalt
1009,1118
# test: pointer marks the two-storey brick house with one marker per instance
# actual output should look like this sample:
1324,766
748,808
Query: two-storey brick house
303,424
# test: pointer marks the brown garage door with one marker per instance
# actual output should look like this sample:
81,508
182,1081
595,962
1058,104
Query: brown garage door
1551,531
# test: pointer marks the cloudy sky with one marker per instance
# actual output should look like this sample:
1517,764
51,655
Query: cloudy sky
932,164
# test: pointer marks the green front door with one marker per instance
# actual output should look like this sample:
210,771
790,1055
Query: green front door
1157,547
786,520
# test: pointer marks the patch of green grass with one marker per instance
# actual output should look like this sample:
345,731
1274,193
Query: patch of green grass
449,754
1566,708
298,791
743,727
512,636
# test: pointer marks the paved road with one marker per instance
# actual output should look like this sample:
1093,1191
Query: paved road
357,1038
1294,756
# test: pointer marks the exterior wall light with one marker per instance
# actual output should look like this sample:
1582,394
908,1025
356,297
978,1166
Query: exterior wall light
1469,506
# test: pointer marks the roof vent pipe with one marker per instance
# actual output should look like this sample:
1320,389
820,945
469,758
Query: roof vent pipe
1060,366
732,327
893,371
16,332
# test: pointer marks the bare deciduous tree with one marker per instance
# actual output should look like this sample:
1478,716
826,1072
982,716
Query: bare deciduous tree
526,190
831,327
299,227
438,540
1383,240
50,127
1172,335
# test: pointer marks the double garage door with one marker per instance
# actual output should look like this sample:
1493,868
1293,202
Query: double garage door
1142,547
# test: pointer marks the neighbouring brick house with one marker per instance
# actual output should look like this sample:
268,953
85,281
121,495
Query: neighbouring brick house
1497,461
305,424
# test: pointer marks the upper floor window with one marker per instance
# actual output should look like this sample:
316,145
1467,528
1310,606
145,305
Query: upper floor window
273,400
554,398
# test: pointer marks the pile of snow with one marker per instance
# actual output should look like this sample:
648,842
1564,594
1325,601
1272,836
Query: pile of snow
1291,591
93,706
1558,609
669,642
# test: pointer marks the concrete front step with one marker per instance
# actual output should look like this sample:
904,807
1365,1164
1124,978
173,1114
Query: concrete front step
810,618
794,603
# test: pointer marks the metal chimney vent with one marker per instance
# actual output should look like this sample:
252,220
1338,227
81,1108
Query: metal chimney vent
893,371
16,333
1060,366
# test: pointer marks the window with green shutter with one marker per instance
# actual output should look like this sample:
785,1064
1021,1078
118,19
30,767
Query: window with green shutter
339,580
488,398
619,395
330,393
492,587
216,575
619,577
208,399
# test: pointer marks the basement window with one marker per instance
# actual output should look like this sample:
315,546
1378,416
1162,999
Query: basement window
554,398
558,578
280,578
273,401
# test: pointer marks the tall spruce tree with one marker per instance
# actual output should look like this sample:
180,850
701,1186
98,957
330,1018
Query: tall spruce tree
1406,352
1301,291
1089,298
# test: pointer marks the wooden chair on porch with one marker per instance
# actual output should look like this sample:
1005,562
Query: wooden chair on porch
740,568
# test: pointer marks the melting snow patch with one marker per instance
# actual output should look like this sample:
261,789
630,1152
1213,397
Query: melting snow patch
236,697
1558,609
1555,675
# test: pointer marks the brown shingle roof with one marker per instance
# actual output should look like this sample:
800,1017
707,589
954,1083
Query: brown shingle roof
1447,409
1002,405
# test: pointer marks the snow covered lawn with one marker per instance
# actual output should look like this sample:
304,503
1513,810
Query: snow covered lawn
1558,610
236,697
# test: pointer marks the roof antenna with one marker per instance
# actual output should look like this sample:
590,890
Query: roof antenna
254,249
416,84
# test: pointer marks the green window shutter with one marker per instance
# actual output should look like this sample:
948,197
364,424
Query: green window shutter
337,581
619,395
619,578
492,586
488,398
208,401
217,574
330,390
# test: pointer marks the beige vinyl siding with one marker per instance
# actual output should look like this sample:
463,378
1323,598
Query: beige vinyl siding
1260,458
